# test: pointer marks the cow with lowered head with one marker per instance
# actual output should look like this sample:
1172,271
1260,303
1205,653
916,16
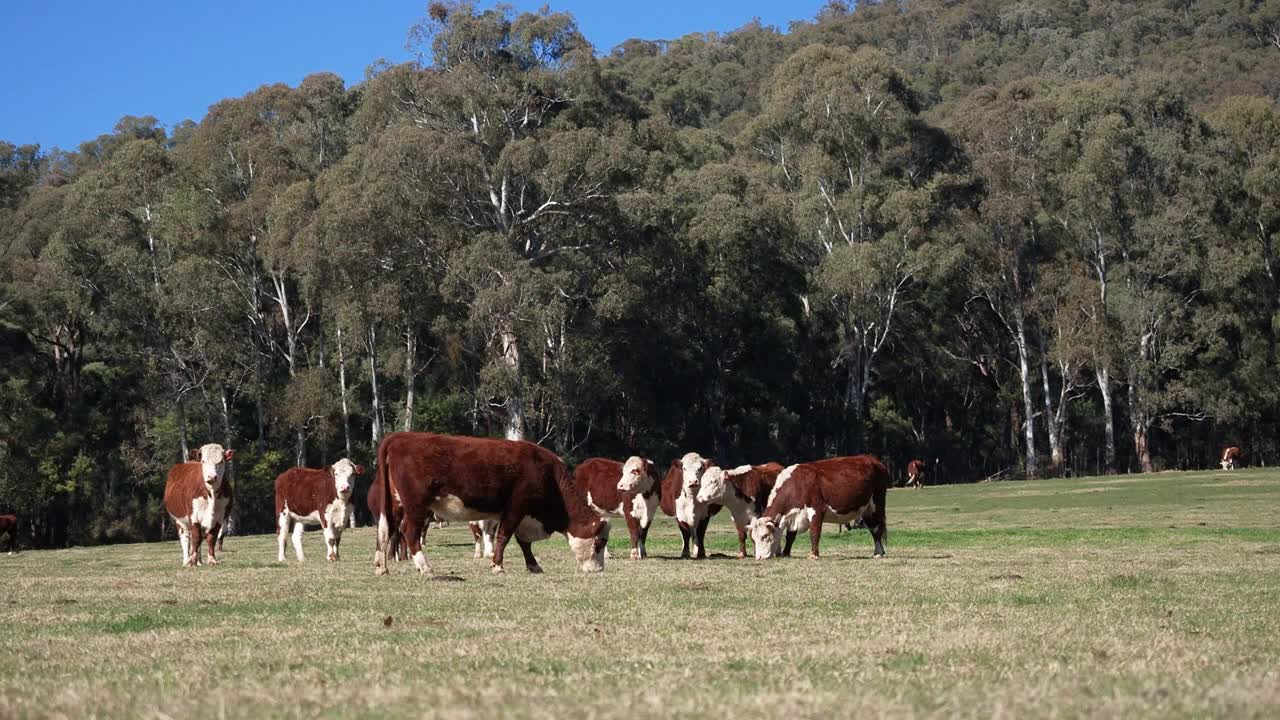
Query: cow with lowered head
198,499
526,488
837,490
307,496
743,491
604,481
1229,457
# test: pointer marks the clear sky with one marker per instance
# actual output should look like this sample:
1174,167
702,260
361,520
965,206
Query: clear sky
70,70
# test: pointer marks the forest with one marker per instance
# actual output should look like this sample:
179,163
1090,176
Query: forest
1013,239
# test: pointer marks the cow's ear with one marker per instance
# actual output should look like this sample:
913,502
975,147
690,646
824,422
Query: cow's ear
769,523
194,455
359,469
228,454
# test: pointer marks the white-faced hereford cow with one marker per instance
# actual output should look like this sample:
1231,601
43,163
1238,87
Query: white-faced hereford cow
198,500
526,488
915,473
744,492
838,490
1229,457
679,499
307,496
604,480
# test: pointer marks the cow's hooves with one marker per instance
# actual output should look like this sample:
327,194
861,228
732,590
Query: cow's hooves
535,569
878,556
813,556
380,571
635,555
497,570
741,555
213,561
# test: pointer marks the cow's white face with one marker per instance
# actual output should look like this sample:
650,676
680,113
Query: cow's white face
764,533
637,475
343,472
713,485
694,466
212,459
589,551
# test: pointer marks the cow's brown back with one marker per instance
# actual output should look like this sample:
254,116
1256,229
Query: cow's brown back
672,485
756,484
844,484
183,485
305,490
599,478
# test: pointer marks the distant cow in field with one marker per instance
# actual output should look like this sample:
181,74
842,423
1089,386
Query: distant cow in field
1229,457
679,499
197,499
308,496
628,489
915,473
744,492
526,488
9,527
838,490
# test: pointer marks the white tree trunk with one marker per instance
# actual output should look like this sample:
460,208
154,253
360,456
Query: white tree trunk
376,411
515,400
1104,386
1028,403
342,388
410,374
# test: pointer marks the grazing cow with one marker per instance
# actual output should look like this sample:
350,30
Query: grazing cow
744,491
1229,457
307,496
838,490
483,533
197,499
915,473
9,526
679,499
604,481
526,488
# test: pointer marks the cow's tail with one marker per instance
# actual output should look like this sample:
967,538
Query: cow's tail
383,517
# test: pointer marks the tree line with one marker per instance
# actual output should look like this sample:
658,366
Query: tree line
1010,239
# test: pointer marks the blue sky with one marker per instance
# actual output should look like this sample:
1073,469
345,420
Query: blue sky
72,69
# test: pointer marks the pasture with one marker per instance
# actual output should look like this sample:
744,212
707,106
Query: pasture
1131,595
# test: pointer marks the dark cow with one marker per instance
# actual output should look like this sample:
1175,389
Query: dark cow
743,491
9,526
604,480
197,499
1229,457
526,488
838,490
307,496
679,499
915,473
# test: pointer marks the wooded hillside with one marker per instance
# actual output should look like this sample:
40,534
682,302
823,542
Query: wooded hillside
1020,239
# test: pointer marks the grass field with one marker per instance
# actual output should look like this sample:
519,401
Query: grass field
1153,596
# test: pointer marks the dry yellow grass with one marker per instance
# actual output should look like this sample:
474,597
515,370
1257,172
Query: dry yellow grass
1157,598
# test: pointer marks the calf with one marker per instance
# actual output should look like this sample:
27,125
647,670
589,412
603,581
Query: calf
678,497
9,526
744,491
307,496
1229,457
604,481
838,490
197,499
526,488
915,473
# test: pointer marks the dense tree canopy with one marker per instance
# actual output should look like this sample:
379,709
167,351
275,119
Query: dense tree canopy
1009,238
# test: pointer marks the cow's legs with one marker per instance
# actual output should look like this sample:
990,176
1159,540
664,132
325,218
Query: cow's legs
877,525
740,523
196,536
297,541
633,529
184,540
700,538
330,547
786,548
684,539
506,529
477,536
282,533
412,530
644,535
815,533
337,542
212,537
530,562
488,529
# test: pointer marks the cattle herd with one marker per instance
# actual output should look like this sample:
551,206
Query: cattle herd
507,489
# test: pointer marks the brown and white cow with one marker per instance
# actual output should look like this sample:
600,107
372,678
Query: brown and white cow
743,491
915,473
1229,457
603,479
483,532
837,490
9,527
197,499
526,488
309,496
678,498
